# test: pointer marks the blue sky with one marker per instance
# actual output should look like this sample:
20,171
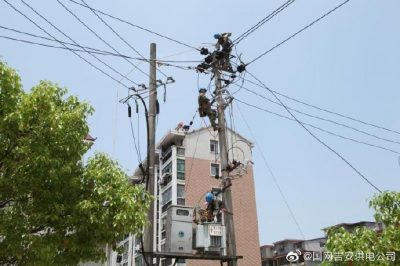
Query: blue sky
348,63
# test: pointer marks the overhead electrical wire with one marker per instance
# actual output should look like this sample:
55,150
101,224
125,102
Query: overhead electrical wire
52,46
275,181
262,22
63,33
120,37
49,34
138,154
136,26
52,40
99,37
299,31
92,50
66,35
320,118
192,161
318,139
324,109
316,127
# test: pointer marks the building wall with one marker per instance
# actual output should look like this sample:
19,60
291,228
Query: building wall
199,182
241,152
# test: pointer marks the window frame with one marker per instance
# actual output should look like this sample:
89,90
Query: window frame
214,143
179,173
181,198
219,169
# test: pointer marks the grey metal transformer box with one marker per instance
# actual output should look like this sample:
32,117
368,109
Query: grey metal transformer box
179,229
211,237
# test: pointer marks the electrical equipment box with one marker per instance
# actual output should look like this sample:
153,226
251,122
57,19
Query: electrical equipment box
179,229
211,237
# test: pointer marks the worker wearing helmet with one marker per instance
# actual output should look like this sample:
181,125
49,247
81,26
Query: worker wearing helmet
224,45
214,208
205,108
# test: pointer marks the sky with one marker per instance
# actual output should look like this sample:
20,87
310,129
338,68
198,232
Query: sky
349,63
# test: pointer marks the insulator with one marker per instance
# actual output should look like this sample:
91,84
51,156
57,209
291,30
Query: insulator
241,68
208,59
219,55
200,68
204,51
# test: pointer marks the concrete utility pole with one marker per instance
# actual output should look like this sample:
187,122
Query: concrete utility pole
149,234
227,195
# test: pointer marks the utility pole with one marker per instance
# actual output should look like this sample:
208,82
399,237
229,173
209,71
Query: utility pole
227,194
149,234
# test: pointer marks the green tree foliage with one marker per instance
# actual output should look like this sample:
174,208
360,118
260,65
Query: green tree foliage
381,243
54,210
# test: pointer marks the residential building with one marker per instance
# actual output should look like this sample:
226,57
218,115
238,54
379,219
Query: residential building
276,254
188,167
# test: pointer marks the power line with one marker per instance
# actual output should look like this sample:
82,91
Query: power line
326,110
49,34
119,35
63,33
301,30
60,31
100,38
316,138
193,159
273,176
49,45
318,128
321,118
134,141
93,50
116,33
262,22
136,26
52,40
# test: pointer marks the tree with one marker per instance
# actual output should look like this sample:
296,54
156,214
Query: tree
54,210
381,243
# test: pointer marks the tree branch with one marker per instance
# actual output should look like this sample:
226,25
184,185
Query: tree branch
5,203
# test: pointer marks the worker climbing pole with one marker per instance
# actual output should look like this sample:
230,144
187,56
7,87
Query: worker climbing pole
205,108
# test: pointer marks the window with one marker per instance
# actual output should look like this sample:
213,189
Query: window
214,169
180,194
166,154
165,180
180,169
167,169
163,222
139,261
180,151
167,196
214,146
166,175
125,250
